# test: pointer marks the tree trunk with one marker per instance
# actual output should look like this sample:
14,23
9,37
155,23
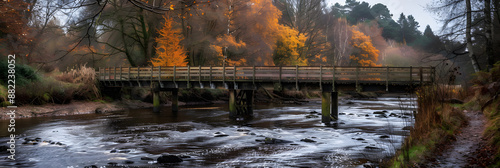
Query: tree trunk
469,38
488,27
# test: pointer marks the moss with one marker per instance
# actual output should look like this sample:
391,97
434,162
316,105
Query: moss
5,104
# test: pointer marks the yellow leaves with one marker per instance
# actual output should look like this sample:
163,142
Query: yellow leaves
169,50
229,41
286,50
364,52
171,7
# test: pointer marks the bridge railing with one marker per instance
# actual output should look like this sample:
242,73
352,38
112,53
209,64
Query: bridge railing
270,74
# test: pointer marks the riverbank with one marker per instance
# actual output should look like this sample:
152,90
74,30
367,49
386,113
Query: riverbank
73,108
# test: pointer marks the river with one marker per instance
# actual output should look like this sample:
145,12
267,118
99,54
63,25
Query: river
204,136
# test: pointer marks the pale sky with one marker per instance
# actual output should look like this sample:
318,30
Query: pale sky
417,8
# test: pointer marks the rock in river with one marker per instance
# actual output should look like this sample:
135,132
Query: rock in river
169,159
307,140
146,158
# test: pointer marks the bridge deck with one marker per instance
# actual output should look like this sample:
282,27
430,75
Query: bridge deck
261,74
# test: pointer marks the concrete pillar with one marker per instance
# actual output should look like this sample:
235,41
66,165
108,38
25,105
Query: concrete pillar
156,100
325,107
175,100
335,106
249,97
232,102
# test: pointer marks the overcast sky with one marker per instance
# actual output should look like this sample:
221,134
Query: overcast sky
417,8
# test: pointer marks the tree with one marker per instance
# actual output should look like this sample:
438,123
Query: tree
380,11
359,13
307,16
468,36
341,37
364,53
170,52
13,27
288,45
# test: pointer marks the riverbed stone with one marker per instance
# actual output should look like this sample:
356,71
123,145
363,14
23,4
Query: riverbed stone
393,115
100,110
147,158
221,135
242,130
379,112
307,140
124,151
113,151
311,116
91,166
112,163
128,162
169,159
384,136
407,128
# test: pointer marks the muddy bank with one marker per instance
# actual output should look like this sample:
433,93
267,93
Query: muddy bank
73,108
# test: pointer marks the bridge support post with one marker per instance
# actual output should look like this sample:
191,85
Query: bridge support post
325,106
249,103
175,100
156,98
335,106
232,103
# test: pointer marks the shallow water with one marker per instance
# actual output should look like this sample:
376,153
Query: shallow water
206,137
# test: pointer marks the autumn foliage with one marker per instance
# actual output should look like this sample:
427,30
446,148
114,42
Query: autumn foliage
364,53
289,42
169,50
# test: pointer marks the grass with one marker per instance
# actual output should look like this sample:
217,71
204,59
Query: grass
39,88
435,124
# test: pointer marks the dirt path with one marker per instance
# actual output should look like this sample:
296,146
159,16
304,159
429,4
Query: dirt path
467,142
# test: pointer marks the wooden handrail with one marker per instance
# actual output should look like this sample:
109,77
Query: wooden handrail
254,74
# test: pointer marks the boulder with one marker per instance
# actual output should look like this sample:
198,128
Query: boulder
169,159
307,140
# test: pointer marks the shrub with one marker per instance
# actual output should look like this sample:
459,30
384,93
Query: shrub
24,73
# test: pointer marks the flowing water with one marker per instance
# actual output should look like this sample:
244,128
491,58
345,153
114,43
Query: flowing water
204,136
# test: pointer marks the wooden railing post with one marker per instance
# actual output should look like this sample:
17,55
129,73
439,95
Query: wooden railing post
433,74
357,78
297,77
129,82
281,70
224,74
152,69
159,74
411,76
114,75
333,79
234,77
188,76
253,76
121,80
387,80
199,78
173,79
420,74
210,75
321,77
138,75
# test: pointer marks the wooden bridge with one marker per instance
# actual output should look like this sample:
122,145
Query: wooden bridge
328,79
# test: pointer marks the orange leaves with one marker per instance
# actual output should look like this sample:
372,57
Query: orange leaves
364,54
169,51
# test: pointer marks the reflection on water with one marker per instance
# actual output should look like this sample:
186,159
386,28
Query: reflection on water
277,136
